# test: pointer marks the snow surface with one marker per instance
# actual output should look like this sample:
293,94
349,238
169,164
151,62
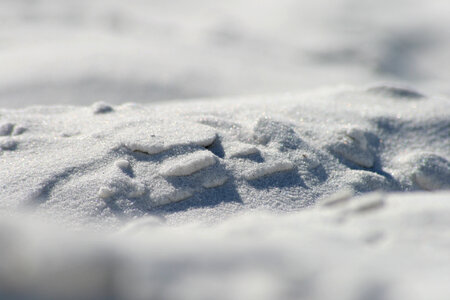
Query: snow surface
258,199
84,51
338,193
379,246
278,153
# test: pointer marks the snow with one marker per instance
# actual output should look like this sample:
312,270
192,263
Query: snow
134,164
187,164
352,145
272,153
122,164
79,52
236,150
267,169
391,245
101,108
6,129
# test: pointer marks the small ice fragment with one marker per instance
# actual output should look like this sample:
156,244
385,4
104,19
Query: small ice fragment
105,193
431,172
241,150
353,146
188,164
173,196
138,190
6,129
101,108
267,169
214,181
122,164
148,148
205,141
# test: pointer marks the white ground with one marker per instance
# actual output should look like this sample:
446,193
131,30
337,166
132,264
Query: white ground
83,51
339,193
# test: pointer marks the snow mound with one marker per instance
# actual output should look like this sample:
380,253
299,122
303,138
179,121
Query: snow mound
105,164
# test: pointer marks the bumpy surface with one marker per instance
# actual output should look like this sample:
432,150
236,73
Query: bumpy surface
252,198
203,160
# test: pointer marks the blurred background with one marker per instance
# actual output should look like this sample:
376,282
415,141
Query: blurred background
82,51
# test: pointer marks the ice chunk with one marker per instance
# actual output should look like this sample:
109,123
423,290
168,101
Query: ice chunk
151,147
160,136
431,172
173,196
187,164
267,169
212,182
353,146
122,164
235,150
105,192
